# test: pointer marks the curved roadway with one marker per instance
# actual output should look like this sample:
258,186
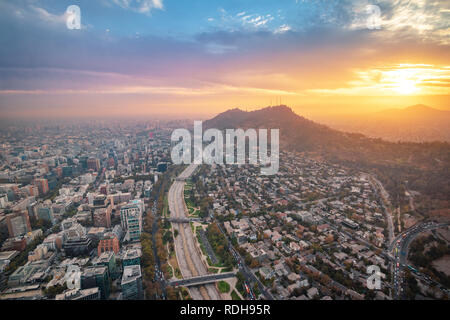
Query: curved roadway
399,249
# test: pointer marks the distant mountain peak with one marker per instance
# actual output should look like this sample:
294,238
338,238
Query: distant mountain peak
417,110
420,107
281,107
234,110
281,114
295,130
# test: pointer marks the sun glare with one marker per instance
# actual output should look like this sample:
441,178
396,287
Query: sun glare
396,80
404,81
406,87
410,79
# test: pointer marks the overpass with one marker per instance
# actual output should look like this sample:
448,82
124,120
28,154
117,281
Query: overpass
184,220
196,281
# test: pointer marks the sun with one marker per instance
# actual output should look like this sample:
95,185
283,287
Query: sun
406,87
405,80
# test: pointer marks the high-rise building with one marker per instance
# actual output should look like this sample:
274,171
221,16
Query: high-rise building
132,283
101,209
66,224
162,167
93,164
118,232
108,243
120,197
67,171
131,257
18,223
45,212
102,217
131,219
108,260
83,162
42,185
96,277
76,241
58,171
77,247
100,201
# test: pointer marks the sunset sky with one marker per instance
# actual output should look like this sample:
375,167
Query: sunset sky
202,57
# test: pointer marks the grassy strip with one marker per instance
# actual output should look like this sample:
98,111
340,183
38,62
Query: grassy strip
224,287
234,295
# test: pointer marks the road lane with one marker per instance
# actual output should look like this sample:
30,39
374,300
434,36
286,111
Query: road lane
187,252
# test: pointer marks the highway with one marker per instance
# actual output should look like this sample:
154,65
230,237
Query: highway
399,249
187,253
385,203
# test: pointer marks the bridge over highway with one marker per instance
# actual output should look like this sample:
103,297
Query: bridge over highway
184,220
196,281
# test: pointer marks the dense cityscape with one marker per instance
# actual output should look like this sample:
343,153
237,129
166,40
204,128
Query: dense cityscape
98,211
224,158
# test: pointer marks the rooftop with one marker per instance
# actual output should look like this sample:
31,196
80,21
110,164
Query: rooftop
131,273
